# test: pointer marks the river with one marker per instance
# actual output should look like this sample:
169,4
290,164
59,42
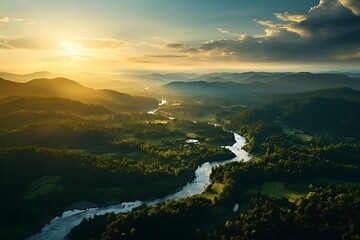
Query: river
60,226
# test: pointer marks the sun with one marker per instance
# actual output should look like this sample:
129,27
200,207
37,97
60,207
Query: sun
71,48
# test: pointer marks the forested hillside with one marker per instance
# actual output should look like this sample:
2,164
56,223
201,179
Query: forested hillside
66,88
303,181
57,151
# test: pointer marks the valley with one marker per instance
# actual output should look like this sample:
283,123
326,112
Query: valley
197,120
100,148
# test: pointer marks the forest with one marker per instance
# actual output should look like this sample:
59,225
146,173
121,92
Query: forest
302,182
191,120
324,213
56,152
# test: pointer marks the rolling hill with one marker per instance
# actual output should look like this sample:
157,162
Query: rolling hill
65,88
27,77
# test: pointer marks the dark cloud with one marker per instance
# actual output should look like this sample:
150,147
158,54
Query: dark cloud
329,31
183,47
175,45
353,5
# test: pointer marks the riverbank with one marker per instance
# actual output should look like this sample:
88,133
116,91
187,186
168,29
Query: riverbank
59,227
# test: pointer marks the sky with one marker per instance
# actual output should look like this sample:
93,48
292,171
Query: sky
121,36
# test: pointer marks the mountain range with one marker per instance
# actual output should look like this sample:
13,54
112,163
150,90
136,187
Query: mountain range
266,83
157,84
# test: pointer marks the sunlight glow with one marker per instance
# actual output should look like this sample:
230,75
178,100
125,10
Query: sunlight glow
71,48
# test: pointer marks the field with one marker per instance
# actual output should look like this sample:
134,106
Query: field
291,191
215,189
43,186
295,190
299,134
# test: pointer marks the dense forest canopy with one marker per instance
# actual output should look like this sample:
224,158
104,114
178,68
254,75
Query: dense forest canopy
153,119
56,151
302,183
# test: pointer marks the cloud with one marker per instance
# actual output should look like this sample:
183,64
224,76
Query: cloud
143,59
163,59
26,43
156,58
99,43
18,19
287,17
67,58
175,45
223,30
328,32
4,19
182,47
4,45
76,42
7,20
353,5
166,56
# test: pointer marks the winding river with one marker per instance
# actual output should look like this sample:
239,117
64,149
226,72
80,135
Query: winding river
59,227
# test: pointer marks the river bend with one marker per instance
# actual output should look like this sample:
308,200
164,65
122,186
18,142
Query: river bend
59,227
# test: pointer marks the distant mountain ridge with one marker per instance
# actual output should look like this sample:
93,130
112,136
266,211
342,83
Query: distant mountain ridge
238,77
279,83
29,76
66,88
209,83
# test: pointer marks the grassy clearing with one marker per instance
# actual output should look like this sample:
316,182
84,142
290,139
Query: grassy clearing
43,186
294,191
301,135
215,189
291,191
208,118
158,141
192,135
158,121
304,137
288,131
